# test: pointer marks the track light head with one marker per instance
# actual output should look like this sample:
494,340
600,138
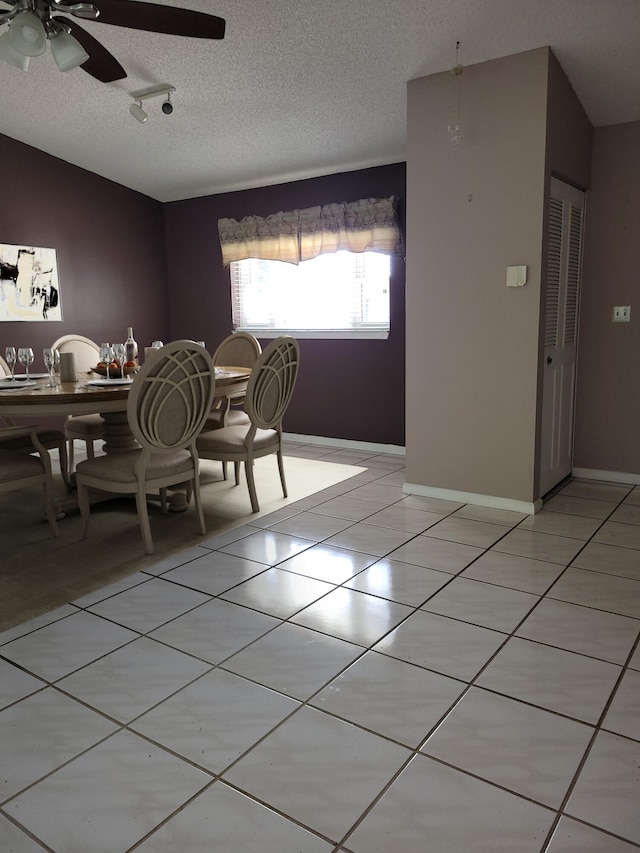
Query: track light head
138,113
167,107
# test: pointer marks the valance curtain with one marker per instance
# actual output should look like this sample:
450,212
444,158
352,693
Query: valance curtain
367,225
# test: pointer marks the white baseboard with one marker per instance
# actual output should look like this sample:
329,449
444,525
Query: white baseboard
606,476
528,507
348,444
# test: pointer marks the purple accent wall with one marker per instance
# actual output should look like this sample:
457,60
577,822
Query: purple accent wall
110,249
346,389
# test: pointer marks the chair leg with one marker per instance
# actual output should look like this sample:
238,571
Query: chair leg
248,467
49,509
70,455
64,464
281,469
90,452
143,518
194,486
163,500
84,507
224,470
236,468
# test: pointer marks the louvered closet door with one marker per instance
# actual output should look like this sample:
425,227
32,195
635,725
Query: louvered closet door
564,255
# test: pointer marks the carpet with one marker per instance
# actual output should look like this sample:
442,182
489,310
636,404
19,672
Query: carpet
39,573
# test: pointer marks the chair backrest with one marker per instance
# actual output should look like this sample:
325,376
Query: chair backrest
238,350
171,397
4,371
271,384
87,351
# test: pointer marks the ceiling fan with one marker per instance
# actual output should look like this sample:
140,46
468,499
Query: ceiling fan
34,22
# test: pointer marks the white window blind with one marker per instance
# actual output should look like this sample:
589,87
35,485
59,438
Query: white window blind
343,294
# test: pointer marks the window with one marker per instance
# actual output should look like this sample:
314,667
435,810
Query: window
338,295
320,272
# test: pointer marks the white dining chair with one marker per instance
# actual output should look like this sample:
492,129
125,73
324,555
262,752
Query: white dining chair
268,394
20,470
50,439
240,349
86,428
167,406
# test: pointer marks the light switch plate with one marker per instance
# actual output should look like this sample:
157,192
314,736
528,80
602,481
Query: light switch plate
621,314
517,276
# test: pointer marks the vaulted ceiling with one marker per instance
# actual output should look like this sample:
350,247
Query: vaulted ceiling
299,88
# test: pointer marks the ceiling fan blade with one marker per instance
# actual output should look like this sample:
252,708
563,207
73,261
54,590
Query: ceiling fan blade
11,12
159,19
101,64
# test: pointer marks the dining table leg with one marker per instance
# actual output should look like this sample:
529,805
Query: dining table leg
118,438
116,433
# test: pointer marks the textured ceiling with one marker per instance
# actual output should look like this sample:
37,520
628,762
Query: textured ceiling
299,88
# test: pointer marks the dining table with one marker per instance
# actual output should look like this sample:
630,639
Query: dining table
91,393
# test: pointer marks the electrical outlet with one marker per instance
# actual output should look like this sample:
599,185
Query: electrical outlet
621,313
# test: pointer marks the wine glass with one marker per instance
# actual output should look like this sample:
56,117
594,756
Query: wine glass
119,351
25,357
106,356
10,356
49,358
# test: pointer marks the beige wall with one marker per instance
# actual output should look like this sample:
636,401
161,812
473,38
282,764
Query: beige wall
569,132
569,148
472,343
608,394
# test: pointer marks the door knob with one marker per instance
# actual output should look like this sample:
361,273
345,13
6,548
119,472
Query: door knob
549,360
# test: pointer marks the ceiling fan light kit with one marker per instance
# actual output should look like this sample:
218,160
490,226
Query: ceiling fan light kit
31,23
67,51
9,54
27,34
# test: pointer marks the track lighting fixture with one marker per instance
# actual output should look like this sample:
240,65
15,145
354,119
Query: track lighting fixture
153,92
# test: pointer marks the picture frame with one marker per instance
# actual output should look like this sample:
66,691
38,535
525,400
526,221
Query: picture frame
29,284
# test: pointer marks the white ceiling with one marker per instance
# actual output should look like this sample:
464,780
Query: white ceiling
300,88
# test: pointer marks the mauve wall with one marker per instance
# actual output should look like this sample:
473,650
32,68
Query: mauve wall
569,132
568,157
608,393
472,343
346,389
110,249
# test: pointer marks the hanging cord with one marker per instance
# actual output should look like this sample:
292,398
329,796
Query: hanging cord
455,131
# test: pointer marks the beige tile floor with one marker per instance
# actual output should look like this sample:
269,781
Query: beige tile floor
359,672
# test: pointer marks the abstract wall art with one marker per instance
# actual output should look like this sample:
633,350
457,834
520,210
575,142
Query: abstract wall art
29,286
